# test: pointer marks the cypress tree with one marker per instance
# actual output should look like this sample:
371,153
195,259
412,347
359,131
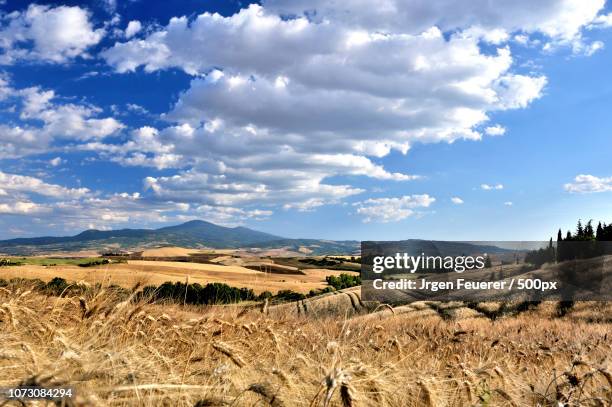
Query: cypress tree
588,230
560,252
488,262
567,247
550,256
599,232
607,232
579,230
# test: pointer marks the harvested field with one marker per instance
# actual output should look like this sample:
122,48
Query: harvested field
273,268
169,252
158,272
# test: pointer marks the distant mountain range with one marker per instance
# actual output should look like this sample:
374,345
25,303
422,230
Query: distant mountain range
193,234
198,234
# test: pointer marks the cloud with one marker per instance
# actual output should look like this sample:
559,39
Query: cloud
488,187
593,47
316,90
57,161
230,216
56,34
456,200
22,208
496,130
71,209
392,209
313,99
320,28
132,28
518,91
243,187
508,203
16,183
111,5
602,21
117,210
45,120
307,206
584,183
67,120
289,101
553,18
135,108
106,212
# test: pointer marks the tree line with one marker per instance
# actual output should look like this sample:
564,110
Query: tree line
584,243
9,262
182,293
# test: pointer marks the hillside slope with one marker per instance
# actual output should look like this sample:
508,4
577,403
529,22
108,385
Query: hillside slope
193,234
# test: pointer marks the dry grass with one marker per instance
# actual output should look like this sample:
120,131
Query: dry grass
125,354
169,252
158,272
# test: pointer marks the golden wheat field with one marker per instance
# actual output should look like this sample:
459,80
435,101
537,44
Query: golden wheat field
135,354
157,272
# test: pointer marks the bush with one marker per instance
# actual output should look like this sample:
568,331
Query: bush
288,295
94,263
196,294
56,286
9,262
265,295
321,262
343,281
175,292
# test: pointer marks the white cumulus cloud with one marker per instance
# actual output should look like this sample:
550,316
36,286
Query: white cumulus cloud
316,98
45,33
17,183
133,28
47,119
57,161
561,19
585,183
392,209
317,89
488,187
22,208
496,130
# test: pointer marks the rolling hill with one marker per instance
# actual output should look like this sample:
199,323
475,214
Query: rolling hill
198,234
192,234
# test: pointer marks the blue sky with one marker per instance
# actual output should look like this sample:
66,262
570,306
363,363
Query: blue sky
305,120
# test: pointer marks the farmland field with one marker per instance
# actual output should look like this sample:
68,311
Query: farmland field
121,348
122,354
254,273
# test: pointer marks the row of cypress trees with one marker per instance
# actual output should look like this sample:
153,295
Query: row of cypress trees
585,242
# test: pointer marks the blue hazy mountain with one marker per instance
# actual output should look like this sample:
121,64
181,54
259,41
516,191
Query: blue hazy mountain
192,234
202,234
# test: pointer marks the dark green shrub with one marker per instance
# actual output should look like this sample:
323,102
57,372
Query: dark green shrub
94,263
288,295
343,281
9,262
56,286
196,294
264,295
